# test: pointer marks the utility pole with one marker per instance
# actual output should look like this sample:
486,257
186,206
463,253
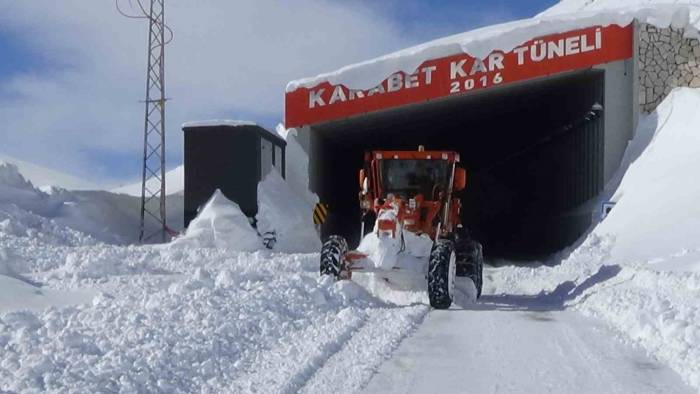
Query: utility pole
153,214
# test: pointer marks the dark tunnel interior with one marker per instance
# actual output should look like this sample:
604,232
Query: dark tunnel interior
533,153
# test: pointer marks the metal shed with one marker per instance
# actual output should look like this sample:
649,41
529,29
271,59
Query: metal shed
232,156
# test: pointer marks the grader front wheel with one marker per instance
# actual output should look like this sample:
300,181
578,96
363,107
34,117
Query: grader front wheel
441,274
333,255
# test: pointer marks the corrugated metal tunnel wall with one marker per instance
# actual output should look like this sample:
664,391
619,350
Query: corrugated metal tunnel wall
534,152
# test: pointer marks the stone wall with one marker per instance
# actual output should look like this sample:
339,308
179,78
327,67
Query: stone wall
666,60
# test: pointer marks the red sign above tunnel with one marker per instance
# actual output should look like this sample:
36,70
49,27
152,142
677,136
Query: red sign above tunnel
460,74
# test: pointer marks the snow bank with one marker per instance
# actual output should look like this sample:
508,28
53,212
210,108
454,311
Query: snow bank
657,216
651,247
632,271
282,211
297,169
505,37
220,224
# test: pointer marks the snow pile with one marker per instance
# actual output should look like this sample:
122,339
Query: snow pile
27,214
505,37
19,292
229,322
11,265
220,224
164,318
282,212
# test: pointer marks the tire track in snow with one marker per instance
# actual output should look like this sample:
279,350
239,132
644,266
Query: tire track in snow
285,367
351,368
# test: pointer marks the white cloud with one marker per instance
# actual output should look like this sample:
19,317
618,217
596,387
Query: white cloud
227,58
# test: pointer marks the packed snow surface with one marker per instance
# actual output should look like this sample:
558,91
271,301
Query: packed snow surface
505,37
507,346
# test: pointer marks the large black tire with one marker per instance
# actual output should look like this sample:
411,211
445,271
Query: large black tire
441,274
470,261
333,254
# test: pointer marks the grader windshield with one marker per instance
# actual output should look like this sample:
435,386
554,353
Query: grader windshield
408,178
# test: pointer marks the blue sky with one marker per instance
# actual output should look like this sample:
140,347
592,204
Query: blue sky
71,77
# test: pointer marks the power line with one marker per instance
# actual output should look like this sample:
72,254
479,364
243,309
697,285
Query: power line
143,15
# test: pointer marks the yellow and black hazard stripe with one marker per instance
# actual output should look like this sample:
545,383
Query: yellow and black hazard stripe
320,213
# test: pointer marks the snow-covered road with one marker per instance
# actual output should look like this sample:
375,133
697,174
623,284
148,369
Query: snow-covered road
509,345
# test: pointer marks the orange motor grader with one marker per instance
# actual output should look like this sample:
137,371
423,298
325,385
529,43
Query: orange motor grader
409,195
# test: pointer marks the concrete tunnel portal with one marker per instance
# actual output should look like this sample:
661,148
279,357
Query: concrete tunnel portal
533,153
539,138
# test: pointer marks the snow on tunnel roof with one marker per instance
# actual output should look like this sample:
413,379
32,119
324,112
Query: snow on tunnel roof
234,123
565,16
218,122
569,6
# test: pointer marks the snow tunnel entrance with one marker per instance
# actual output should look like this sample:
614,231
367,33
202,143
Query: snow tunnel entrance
533,153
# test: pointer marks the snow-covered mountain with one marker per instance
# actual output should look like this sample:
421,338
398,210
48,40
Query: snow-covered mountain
41,176
174,183
71,217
